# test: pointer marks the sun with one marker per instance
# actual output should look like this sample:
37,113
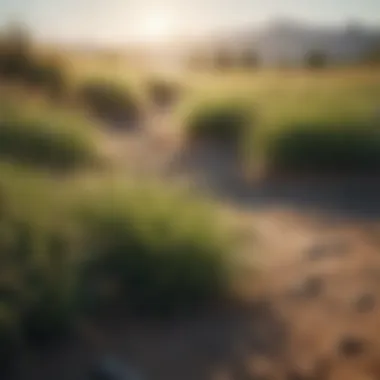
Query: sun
157,28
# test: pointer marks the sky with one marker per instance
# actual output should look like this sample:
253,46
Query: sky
119,21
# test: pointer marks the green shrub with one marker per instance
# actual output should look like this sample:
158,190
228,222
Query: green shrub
60,243
325,149
109,101
223,121
164,252
45,139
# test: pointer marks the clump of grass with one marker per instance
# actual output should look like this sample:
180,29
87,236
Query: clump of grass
162,251
165,251
335,149
223,121
109,101
45,138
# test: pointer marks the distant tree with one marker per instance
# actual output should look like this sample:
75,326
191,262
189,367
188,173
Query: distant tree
249,59
316,59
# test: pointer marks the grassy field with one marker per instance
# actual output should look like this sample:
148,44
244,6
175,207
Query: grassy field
158,250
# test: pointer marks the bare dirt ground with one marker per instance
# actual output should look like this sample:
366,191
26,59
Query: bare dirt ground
311,312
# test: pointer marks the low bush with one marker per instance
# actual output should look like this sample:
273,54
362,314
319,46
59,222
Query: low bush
222,121
45,139
164,252
109,101
325,149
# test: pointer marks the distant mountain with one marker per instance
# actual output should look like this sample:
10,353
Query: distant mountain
289,41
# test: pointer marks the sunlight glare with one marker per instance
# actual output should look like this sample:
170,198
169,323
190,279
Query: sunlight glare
157,28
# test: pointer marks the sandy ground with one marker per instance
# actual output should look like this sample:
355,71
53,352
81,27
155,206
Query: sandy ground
312,311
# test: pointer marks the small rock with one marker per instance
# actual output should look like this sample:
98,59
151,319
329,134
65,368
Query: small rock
365,303
351,346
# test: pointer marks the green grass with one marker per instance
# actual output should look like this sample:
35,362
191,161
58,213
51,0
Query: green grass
164,250
35,135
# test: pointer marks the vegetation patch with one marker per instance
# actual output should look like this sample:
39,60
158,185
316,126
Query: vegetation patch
110,102
227,121
45,138
68,250
325,149
164,251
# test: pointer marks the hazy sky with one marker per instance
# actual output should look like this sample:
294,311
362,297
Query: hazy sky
122,20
